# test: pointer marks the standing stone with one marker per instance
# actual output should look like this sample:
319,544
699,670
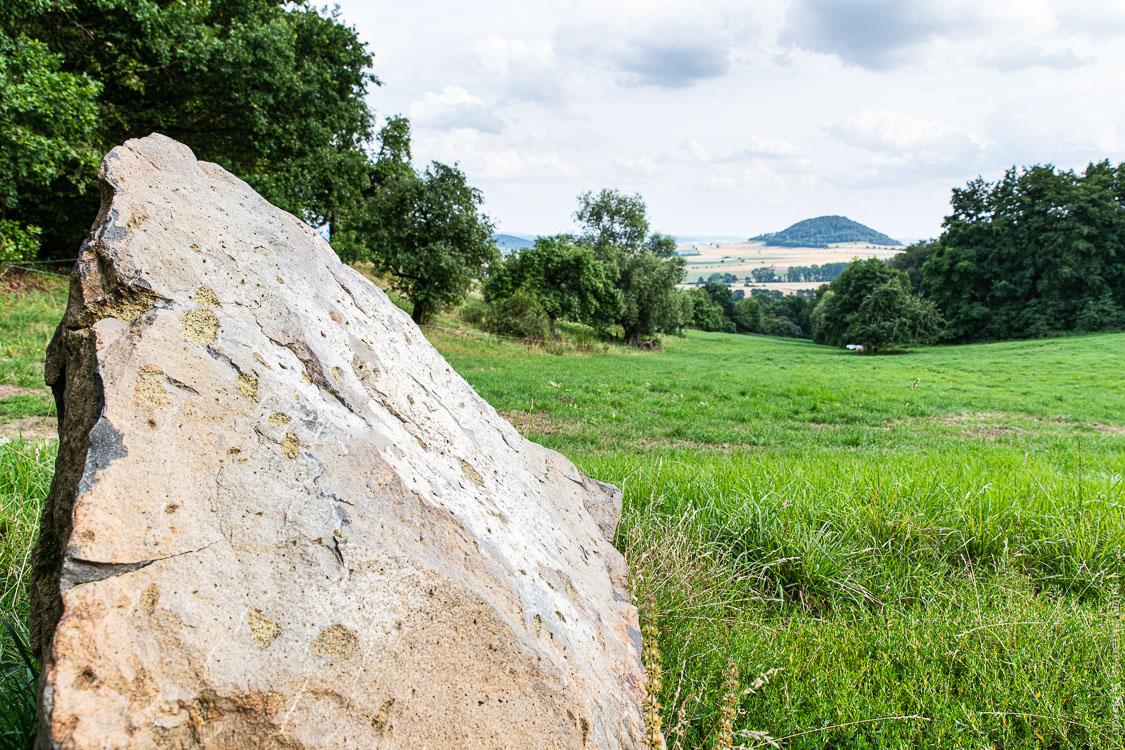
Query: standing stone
279,519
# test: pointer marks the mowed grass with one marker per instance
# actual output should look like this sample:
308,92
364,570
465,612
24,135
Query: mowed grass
928,546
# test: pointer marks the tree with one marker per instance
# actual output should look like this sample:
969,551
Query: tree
648,286
890,316
1028,254
426,231
680,312
47,121
613,220
706,315
663,245
911,260
764,275
747,315
564,277
722,296
271,90
646,273
857,281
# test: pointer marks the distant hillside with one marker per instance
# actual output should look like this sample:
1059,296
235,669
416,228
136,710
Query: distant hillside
823,231
511,242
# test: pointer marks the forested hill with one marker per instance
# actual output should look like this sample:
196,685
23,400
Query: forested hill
511,242
823,231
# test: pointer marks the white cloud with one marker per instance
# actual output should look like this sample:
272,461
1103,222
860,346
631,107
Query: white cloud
669,45
454,108
898,133
521,71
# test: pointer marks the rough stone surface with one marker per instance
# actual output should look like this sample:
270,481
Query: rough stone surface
280,520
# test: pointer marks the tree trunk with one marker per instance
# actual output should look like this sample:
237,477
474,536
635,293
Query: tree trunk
419,313
633,335
554,333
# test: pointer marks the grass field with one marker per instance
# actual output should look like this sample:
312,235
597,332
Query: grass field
926,546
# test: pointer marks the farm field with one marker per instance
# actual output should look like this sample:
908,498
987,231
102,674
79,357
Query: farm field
927,547
740,258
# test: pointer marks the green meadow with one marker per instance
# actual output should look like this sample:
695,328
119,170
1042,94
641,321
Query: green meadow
924,548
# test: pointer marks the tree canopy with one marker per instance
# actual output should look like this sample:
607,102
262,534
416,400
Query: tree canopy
644,268
425,230
1037,252
47,123
871,304
565,278
274,91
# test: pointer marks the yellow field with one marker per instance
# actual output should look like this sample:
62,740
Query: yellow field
740,258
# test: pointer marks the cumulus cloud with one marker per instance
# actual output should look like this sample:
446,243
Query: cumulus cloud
521,70
869,33
895,132
454,108
645,44
904,147
1021,55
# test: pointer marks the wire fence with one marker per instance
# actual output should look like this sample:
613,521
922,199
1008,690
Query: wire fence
26,267
530,342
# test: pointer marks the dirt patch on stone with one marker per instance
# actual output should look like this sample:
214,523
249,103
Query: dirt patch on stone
32,429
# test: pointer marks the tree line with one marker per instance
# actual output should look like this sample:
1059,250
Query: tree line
1038,252
273,91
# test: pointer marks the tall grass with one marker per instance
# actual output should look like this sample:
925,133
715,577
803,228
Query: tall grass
25,477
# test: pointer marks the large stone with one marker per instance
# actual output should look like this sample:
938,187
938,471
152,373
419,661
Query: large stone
280,519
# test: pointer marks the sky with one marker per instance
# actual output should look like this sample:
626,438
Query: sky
737,118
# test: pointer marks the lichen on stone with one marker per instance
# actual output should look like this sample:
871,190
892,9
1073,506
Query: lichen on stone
473,475
262,631
248,386
200,326
206,296
335,641
149,598
290,445
279,419
150,392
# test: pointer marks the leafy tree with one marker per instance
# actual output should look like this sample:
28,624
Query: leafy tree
858,281
680,312
566,279
747,315
1030,254
425,230
872,304
613,221
645,272
891,316
911,260
764,275
47,121
518,315
776,325
707,315
274,91
663,245
722,296
648,289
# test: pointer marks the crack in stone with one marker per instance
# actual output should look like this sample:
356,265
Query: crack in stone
77,571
